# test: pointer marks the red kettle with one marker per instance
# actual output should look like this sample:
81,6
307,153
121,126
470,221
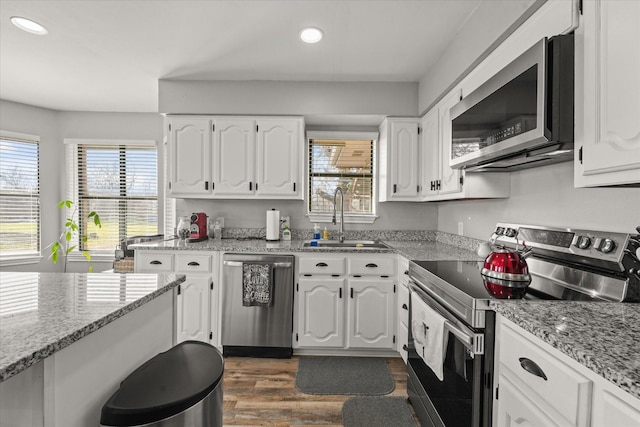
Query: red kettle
508,266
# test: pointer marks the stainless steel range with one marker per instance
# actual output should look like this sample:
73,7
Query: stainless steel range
566,264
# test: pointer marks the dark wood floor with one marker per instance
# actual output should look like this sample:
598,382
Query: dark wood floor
262,392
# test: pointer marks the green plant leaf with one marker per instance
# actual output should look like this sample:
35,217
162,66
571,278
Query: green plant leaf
84,239
68,203
54,257
74,227
90,268
91,214
96,221
68,236
87,255
61,204
70,249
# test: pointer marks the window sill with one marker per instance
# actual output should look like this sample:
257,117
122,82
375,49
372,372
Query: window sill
348,219
9,260
94,258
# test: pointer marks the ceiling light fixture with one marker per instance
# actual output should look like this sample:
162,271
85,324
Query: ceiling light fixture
28,25
311,35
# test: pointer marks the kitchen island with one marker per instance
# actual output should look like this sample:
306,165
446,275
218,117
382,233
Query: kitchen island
67,340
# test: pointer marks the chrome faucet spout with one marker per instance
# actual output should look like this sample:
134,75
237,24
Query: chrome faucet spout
341,229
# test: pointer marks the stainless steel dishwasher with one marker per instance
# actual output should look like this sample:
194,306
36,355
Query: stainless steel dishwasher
262,330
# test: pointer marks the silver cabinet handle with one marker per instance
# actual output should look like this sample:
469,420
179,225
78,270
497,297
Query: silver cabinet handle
532,367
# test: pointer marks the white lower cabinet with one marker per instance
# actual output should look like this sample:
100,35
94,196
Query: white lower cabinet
196,299
352,308
402,307
320,312
540,386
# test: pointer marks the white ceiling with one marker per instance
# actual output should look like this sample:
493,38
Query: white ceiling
108,55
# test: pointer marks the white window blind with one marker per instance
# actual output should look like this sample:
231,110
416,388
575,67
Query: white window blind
120,183
344,163
19,196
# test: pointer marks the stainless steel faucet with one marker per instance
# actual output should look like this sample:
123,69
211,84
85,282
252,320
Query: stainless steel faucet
333,221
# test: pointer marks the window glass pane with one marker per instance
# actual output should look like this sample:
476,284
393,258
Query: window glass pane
120,183
19,198
344,163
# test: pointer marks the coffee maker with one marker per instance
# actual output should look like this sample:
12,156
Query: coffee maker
198,227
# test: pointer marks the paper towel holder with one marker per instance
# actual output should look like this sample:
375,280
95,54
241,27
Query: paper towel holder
272,225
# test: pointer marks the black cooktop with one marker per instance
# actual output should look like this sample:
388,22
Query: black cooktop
466,277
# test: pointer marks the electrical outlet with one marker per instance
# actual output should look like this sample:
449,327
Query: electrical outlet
220,220
460,228
285,222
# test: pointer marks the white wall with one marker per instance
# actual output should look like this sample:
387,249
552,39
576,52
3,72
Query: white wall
288,98
252,213
489,24
546,196
44,123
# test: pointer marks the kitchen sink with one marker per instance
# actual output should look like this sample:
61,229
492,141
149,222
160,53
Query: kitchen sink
357,244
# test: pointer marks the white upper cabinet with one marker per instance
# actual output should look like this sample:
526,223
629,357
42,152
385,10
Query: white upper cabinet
399,172
439,180
236,157
278,164
189,157
608,94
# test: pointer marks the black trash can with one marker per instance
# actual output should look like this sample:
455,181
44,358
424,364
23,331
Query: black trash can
180,387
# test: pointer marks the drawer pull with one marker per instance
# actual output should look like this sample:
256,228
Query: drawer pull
371,265
405,348
193,264
405,306
322,264
406,272
532,367
155,262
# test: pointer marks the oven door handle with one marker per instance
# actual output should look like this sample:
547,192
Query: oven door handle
272,264
473,341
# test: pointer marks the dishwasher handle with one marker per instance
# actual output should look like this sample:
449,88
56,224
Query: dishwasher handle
272,264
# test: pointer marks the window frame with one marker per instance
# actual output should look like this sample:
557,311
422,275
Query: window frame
73,184
349,218
36,256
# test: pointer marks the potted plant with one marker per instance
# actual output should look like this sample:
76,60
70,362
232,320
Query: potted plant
66,243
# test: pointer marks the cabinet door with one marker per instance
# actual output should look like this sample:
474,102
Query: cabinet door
321,312
278,146
371,313
192,311
611,66
430,152
233,157
190,157
449,178
404,160
516,409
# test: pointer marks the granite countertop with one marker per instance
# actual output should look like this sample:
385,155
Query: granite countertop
42,313
604,337
412,249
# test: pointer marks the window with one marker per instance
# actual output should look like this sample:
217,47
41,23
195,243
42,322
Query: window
19,196
120,182
341,162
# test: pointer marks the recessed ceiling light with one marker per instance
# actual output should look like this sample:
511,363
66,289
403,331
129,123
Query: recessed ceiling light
29,26
311,35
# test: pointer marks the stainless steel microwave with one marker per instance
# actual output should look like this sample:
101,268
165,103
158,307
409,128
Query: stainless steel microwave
523,116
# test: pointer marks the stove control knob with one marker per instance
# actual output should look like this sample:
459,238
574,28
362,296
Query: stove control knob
510,232
583,242
607,246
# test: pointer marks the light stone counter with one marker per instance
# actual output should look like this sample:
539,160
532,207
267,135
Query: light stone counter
42,313
604,337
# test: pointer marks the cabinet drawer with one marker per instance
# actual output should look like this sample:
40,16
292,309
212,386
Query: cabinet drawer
331,266
193,263
403,305
153,262
564,389
371,267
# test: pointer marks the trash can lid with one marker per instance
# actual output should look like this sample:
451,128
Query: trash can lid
165,385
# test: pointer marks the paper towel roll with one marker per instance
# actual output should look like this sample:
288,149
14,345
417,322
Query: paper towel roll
273,225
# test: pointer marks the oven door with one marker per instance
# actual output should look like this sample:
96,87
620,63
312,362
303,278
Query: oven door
464,397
